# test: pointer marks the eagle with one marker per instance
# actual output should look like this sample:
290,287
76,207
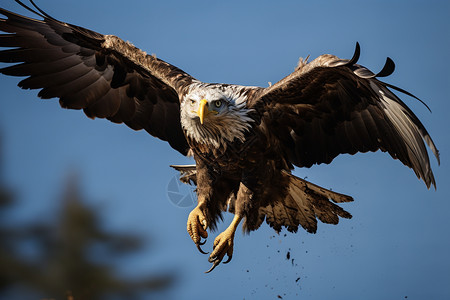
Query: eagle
245,140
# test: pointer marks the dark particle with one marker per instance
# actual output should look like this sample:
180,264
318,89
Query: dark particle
296,280
248,271
279,297
292,261
288,255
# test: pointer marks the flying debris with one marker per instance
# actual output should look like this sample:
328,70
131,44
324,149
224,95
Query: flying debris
245,140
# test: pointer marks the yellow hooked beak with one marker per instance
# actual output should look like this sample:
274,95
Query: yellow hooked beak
202,110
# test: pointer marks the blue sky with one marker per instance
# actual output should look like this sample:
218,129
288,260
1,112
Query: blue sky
397,243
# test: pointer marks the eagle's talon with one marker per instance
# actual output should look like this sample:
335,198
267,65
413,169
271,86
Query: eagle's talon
196,227
223,245
215,264
200,249
228,259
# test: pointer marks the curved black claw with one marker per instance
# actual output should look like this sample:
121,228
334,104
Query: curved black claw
200,249
202,243
228,259
215,264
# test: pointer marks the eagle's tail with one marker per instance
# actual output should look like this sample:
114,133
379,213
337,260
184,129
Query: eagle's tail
188,173
304,203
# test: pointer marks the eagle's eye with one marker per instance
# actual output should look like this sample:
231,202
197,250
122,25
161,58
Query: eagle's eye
217,103
192,101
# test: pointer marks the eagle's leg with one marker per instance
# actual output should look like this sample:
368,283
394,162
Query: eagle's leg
223,244
197,225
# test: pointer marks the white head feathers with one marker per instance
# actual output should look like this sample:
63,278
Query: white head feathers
229,121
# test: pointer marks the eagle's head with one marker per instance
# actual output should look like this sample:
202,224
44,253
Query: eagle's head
214,114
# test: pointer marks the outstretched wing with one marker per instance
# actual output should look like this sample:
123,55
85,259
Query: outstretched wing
332,106
101,74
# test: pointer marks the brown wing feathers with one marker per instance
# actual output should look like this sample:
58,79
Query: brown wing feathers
327,107
332,106
102,75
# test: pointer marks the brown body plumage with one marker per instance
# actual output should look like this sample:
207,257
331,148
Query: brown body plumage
245,140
